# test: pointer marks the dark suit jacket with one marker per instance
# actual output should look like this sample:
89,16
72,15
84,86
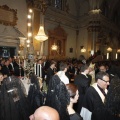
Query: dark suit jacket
5,70
18,71
50,73
83,84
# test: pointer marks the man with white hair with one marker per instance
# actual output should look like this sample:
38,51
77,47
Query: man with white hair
45,113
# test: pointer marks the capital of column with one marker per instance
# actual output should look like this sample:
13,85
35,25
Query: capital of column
94,26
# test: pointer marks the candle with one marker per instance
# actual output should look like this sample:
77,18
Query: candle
116,56
35,68
24,63
107,55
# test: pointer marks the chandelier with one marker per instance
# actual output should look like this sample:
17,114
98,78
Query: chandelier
83,49
118,50
109,49
54,47
41,36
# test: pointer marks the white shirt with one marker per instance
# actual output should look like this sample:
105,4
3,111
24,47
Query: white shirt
63,77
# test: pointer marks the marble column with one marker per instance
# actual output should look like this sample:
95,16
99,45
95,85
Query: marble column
93,29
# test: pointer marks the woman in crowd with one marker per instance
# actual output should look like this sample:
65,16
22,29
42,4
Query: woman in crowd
35,95
58,97
74,95
112,103
14,104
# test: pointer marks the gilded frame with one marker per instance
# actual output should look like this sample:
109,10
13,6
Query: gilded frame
8,16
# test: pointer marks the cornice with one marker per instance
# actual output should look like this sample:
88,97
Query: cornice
61,17
9,37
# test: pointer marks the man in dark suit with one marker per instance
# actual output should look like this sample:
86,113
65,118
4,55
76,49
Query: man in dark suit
71,71
50,71
45,65
5,69
11,66
39,69
83,81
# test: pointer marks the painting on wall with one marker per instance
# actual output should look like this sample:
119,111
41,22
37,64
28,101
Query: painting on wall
8,16
71,50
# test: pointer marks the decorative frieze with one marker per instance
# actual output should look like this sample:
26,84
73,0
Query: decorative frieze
8,16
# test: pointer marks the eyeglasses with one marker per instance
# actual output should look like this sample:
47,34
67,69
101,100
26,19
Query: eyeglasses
105,81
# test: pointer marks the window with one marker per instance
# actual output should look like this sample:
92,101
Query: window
58,4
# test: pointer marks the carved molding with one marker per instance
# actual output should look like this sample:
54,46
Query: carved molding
8,16
38,4
59,37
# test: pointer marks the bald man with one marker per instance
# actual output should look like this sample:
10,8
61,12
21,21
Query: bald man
45,113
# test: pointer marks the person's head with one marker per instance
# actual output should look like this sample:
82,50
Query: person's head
1,77
40,61
63,67
45,113
73,92
44,58
7,62
52,64
10,59
85,69
102,79
3,61
102,68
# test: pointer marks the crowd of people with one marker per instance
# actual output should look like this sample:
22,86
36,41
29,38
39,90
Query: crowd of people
75,90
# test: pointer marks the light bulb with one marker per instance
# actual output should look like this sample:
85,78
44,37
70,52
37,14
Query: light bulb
29,16
29,24
29,34
28,41
30,10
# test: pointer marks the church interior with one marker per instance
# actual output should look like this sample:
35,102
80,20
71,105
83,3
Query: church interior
52,52
60,29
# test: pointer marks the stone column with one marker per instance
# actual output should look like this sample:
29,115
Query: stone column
93,29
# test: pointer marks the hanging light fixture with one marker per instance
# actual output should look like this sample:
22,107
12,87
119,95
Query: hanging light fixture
118,50
109,49
83,49
54,47
41,36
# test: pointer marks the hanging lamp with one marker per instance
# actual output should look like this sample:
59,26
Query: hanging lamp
41,36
